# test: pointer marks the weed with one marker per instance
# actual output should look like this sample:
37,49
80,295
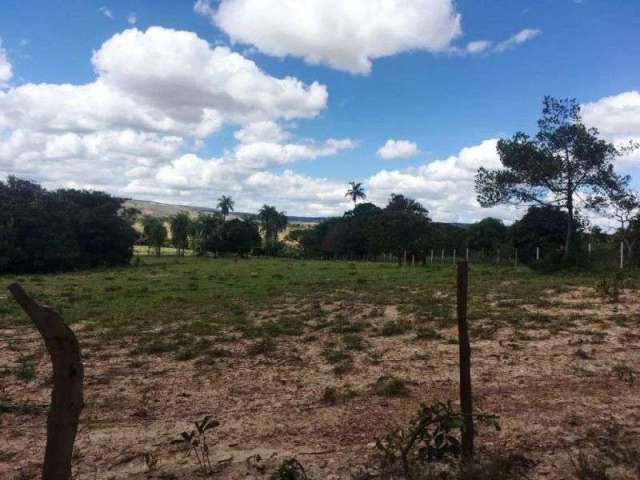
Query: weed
624,373
262,347
430,437
330,395
390,386
426,333
197,443
393,327
290,469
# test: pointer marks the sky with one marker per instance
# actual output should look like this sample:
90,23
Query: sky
285,101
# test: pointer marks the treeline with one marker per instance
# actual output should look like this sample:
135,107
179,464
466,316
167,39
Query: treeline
403,230
66,229
213,234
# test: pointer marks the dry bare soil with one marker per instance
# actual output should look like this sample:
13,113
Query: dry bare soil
294,359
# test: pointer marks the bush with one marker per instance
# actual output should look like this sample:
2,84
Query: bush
49,231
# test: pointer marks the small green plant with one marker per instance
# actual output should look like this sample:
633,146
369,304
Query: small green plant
432,436
330,395
390,386
610,289
26,369
151,461
624,373
427,333
262,347
393,327
290,469
197,443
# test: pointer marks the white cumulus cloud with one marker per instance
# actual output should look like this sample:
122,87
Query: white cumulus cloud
345,35
617,118
396,149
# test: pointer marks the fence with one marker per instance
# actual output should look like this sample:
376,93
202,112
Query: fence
609,256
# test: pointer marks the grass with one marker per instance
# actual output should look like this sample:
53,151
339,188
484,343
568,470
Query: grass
161,304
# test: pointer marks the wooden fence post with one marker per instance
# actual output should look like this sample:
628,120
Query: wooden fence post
432,256
454,257
466,402
66,397
621,255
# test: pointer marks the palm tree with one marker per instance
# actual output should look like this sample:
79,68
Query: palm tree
225,204
272,221
355,192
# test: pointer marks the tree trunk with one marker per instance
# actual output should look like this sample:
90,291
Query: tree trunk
568,243
66,397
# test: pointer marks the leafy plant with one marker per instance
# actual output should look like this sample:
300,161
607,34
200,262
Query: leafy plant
432,436
290,469
197,443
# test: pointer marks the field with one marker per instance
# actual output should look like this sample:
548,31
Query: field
315,360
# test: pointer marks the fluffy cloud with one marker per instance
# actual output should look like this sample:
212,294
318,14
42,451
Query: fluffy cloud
394,149
157,96
163,81
6,72
618,119
346,35
445,187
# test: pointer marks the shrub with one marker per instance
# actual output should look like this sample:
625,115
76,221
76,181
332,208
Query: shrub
48,231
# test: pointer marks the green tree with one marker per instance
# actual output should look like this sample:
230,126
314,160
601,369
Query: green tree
205,233
542,227
273,222
155,234
355,192
487,235
225,204
180,225
565,160
239,236
48,231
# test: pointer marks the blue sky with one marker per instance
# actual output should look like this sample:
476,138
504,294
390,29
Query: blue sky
433,93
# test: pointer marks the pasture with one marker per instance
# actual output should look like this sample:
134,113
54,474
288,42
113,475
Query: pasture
315,360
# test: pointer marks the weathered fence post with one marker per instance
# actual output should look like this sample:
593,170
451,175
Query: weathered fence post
466,255
621,255
589,248
537,254
466,402
442,256
66,396
454,257
413,260
432,256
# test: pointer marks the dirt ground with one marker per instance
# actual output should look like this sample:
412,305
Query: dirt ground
554,394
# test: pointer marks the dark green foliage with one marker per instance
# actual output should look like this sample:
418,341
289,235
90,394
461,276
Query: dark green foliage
211,234
239,236
290,469
545,228
390,386
46,231
432,436
487,235
180,225
564,160
198,444
273,222
155,233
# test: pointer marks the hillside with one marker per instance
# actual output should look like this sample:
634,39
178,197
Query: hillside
157,209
